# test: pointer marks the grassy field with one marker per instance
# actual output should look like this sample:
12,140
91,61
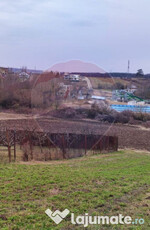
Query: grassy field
95,81
99,185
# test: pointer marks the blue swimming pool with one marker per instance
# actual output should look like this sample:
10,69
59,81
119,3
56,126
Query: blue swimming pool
134,108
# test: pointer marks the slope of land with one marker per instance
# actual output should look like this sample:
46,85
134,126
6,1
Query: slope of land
99,185
76,66
129,136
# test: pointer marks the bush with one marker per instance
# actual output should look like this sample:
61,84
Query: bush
101,108
119,85
7,103
106,118
98,109
92,113
147,124
141,117
123,117
69,113
65,113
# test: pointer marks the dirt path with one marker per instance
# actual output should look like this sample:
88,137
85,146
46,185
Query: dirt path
88,83
13,116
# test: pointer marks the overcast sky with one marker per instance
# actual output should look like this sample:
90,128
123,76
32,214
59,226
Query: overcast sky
40,33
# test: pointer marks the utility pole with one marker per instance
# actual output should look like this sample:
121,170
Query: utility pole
128,66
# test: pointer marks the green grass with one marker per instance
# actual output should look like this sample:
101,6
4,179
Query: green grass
99,185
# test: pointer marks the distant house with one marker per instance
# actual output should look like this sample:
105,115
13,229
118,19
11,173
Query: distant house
1,81
72,77
24,76
64,90
84,93
120,95
97,98
3,71
132,88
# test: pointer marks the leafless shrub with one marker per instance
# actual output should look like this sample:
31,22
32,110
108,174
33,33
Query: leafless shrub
26,151
101,108
141,116
98,109
132,121
147,124
123,117
106,118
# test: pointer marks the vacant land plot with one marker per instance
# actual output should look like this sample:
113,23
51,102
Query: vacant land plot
103,81
99,185
129,136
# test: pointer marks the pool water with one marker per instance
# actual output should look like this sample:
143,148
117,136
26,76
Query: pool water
134,108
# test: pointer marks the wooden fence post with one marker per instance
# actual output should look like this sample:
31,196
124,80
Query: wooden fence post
49,147
63,147
100,144
14,145
85,143
116,143
8,146
31,149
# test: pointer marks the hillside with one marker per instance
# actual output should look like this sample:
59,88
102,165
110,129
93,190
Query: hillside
76,66
83,185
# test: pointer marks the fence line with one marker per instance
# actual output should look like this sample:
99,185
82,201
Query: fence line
62,141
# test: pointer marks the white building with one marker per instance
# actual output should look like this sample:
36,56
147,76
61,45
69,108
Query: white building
72,77
24,76
97,98
132,88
